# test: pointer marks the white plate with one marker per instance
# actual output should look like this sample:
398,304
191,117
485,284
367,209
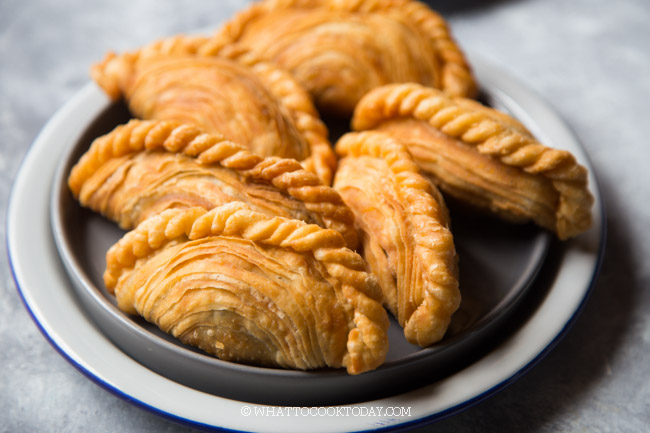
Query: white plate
48,295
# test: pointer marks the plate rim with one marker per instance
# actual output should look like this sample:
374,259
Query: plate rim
541,245
50,335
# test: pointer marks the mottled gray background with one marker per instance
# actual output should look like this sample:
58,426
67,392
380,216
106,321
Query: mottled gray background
590,58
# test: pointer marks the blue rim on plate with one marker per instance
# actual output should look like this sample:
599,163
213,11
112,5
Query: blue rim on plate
32,229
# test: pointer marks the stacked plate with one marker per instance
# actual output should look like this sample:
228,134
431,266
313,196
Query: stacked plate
521,291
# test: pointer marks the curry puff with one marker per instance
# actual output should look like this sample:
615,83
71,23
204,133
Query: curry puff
144,167
482,157
340,50
253,103
405,230
251,288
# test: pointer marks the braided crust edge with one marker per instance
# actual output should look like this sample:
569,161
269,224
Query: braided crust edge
115,72
487,131
367,340
457,78
284,173
295,98
434,245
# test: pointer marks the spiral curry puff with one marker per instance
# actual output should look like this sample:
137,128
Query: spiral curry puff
339,50
482,157
251,102
405,230
145,167
252,288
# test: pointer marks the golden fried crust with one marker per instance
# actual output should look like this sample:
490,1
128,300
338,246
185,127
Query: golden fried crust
333,48
251,288
247,100
482,156
218,96
144,167
406,238
115,73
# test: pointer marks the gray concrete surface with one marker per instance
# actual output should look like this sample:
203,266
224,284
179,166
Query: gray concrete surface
590,58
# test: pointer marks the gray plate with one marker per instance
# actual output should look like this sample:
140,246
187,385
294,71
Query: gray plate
498,266
535,325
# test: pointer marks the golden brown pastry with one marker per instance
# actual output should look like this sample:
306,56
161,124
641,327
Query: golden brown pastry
116,72
340,49
144,167
405,230
482,157
251,288
253,103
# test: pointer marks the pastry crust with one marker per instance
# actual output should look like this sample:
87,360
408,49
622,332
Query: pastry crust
333,47
144,167
115,73
251,288
482,157
405,231
247,100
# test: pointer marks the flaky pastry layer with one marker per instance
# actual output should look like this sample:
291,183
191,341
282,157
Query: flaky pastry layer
406,238
250,101
341,49
252,288
124,177
482,156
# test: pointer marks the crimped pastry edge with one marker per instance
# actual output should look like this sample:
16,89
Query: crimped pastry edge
367,341
503,141
422,199
113,73
285,174
457,77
